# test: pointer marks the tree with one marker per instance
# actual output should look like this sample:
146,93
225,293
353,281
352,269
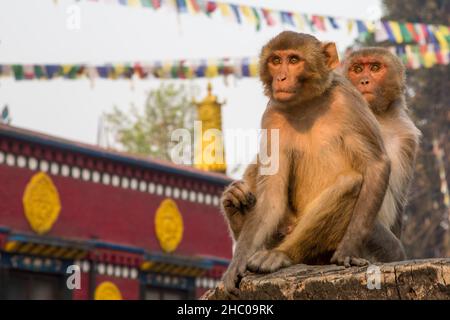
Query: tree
148,133
427,218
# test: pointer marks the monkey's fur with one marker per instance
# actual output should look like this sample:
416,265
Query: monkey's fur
400,135
322,204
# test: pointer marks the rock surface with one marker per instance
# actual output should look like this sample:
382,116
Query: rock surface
414,279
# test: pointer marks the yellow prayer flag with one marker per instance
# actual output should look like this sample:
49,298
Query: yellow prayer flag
440,37
444,30
253,68
212,70
119,69
66,69
134,3
396,31
166,69
370,25
429,57
189,72
299,21
225,10
350,24
248,14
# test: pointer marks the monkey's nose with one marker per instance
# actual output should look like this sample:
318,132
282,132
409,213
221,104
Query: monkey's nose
364,82
281,77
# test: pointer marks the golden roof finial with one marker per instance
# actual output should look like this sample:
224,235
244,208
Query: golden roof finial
210,98
209,88
210,114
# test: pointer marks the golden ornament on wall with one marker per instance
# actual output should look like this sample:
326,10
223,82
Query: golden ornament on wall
41,203
107,291
168,225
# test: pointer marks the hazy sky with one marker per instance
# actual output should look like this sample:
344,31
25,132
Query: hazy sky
36,32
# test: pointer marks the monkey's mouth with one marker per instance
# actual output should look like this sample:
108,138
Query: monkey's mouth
284,94
367,93
285,91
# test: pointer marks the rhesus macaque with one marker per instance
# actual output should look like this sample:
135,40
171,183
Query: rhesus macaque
322,204
380,77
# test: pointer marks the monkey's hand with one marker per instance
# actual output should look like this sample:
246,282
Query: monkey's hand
348,258
233,276
238,198
266,261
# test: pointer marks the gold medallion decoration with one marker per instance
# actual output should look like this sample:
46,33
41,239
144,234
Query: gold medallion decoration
41,203
107,291
168,225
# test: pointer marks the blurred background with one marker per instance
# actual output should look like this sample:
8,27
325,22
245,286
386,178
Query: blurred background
92,203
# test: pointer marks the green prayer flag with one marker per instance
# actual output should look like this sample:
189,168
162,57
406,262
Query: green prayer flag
174,72
38,72
73,72
406,35
146,3
258,19
18,72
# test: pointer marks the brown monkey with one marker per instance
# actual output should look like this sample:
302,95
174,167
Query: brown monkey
333,169
380,77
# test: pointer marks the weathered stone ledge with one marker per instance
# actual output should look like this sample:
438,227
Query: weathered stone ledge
414,279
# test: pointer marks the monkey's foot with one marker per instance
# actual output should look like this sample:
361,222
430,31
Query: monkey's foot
266,261
350,261
233,276
238,196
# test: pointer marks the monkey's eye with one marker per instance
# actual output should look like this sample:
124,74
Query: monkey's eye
357,68
275,60
294,59
375,67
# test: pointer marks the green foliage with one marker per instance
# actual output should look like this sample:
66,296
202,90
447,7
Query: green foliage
429,11
148,132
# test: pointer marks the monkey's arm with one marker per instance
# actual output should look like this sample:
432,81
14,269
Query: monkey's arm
239,198
375,169
262,220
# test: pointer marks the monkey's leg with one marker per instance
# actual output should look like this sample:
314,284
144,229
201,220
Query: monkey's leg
319,229
383,246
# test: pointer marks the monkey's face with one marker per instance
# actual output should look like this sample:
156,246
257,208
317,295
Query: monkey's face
285,68
367,75
378,76
295,67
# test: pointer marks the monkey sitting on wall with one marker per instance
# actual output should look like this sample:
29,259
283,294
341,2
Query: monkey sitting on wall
380,77
322,204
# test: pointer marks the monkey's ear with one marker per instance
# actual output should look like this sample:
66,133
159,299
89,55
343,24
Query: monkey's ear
330,51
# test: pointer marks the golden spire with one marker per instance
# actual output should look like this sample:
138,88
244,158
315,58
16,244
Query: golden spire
210,153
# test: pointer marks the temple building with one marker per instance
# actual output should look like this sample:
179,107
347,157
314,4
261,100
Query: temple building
81,222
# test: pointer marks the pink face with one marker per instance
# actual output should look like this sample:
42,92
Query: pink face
367,74
285,67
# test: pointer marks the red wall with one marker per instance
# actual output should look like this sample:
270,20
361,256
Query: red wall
129,288
83,292
113,214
